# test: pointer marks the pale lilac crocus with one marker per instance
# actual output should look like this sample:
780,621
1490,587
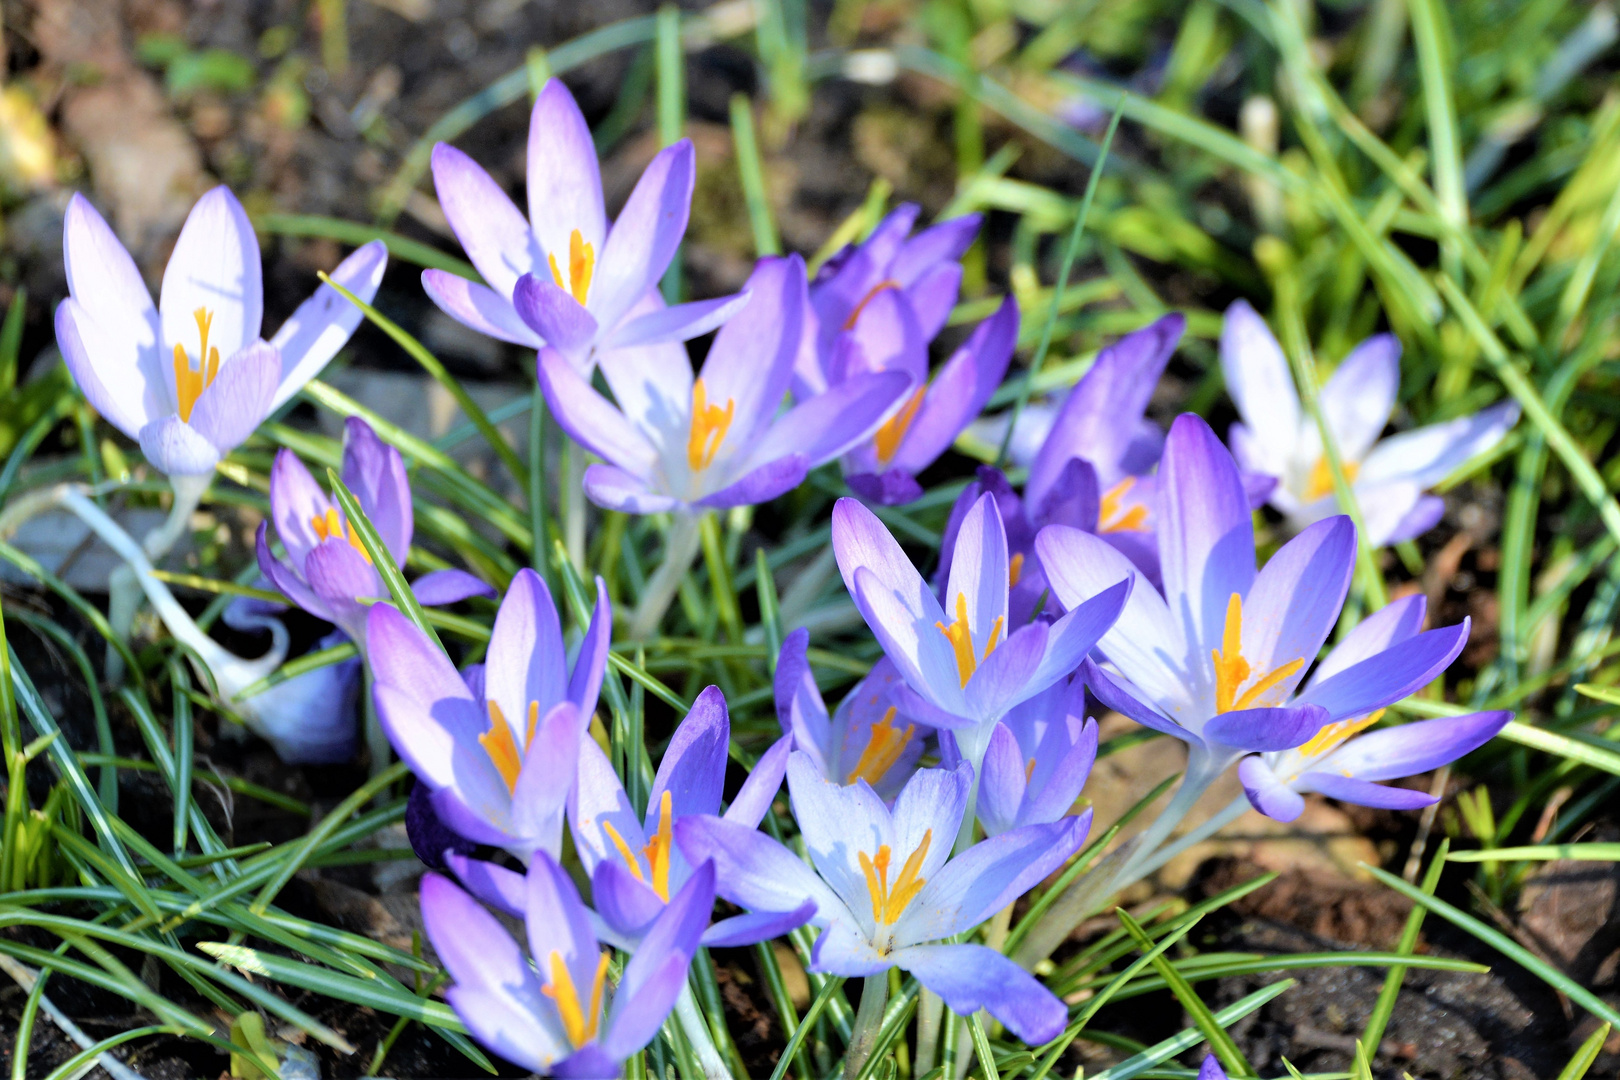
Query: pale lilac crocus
1344,760
500,764
563,277
864,739
556,1014
328,571
965,664
1038,760
190,378
678,443
309,719
888,892
1389,477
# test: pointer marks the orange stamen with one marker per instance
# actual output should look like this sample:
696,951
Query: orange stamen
883,749
189,384
889,903
892,432
332,524
1112,515
1015,569
709,426
1337,732
501,747
961,639
581,268
885,284
1232,670
1320,482
578,1025
660,848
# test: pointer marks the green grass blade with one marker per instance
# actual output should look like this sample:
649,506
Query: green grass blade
1220,1042
1594,852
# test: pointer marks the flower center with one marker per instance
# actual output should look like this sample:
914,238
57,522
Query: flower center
885,284
1112,515
579,1024
892,432
889,902
1320,482
961,639
332,524
657,851
1335,733
1015,569
189,384
709,426
501,746
883,749
1232,671
581,265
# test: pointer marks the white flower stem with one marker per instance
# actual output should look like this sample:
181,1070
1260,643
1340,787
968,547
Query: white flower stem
930,1011
1233,810
697,1033
681,546
868,1019
123,591
573,508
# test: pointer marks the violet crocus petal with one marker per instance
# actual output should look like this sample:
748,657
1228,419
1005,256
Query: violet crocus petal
1258,487
434,842
682,322
1261,386
884,337
1206,533
1390,675
484,825
492,231
296,501
116,337
754,871
1383,508
759,789
651,384
918,708
527,659
237,401
1360,395
496,993
550,764
828,424
933,295
478,307
612,488
564,178
1399,620
593,1061
1296,599
1408,749
973,977
962,389
1126,703
1211,1069
215,266
1429,454
953,524
1075,499
892,487
375,472
1424,515
504,890
751,362
844,949
836,822
757,926
800,711
693,769
1266,791
625,902
677,930
310,719
1008,675
932,802
175,448
595,801
285,578
589,419
1266,729
1001,782
585,682
342,578
760,484
558,922
644,237
977,587
554,314
440,587
942,242
1056,794
1077,633
631,1029
319,327
1352,789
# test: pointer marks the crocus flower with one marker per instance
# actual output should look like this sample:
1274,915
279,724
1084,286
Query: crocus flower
190,378
1211,1069
563,278
887,890
1215,659
1389,477
865,739
675,442
1341,762
328,571
500,763
557,1016
1038,760
964,664
309,719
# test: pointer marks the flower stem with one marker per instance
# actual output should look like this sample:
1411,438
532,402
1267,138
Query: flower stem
868,1018
572,498
1233,810
697,1033
1201,772
680,548
930,1010
123,591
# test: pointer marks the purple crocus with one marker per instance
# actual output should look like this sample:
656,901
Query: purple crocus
865,739
1341,762
557,1015
1211,1069
1038,760
328,571
1389,477
964,663
1216,657
500,763
679,443
887,891
190,378
563,277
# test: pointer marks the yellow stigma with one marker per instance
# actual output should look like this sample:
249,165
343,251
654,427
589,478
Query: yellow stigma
892,432
961,639
885,284
1015,569
1337,732
189,384
658,850
1232,671
1111,515
1321,478
709,426
332,524
889,902
502,748
883,749
578,1023
581,265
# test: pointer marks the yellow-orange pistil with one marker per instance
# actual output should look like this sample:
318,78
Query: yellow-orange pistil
883,749
581,265
1337,732
332,524
885,284
1112,515
709,426
1015,569
1320,482
892,432
501,745
1232,671
579,1023
961,638
189,384
658,851
889,901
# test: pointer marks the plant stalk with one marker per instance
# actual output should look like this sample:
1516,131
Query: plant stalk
697,1033
868,1019
681,546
